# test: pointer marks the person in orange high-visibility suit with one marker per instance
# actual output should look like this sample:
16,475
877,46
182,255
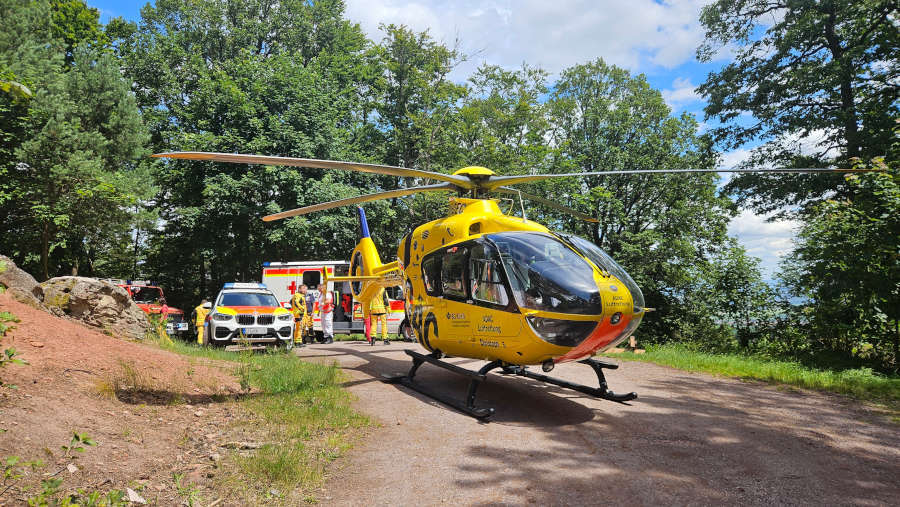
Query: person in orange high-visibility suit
200,314
378,313
298,309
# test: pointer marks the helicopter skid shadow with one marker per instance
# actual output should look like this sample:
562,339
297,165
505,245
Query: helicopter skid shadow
517,401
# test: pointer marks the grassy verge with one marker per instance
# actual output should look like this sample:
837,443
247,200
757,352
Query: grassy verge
860,383
297,411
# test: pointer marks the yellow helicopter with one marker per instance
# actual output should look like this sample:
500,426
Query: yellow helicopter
487,285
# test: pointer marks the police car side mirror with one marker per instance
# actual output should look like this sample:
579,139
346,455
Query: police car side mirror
207,305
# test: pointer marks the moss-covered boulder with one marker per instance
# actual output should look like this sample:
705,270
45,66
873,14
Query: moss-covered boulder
96,303
20,285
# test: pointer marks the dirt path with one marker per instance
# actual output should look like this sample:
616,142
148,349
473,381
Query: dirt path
688,439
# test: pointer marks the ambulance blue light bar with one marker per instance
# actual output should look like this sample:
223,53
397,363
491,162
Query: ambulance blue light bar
245,285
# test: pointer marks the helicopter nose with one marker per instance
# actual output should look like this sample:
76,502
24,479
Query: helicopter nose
620,318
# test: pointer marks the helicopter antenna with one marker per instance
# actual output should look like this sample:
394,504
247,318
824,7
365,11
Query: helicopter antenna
522,205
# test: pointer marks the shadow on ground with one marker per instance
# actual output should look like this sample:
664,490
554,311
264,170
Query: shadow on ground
687,439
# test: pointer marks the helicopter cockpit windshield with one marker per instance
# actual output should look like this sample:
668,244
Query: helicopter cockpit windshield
606,263
545,274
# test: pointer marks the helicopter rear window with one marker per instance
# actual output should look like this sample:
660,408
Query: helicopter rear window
545,274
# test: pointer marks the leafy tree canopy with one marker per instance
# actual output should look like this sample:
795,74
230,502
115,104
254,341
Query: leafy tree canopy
825,71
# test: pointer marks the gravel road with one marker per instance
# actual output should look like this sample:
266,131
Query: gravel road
688,439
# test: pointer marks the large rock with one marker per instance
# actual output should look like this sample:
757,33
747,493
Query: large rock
19,284
96,303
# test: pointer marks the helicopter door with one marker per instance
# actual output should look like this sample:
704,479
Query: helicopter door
494,315
454,306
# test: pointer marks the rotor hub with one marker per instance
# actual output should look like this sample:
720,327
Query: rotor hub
475,173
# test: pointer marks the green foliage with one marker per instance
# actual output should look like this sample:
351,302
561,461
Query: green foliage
862,383
5,319
280,79
16,90
820,69
69,153
77,443
666,230
304,414
9,356
50,493
76,25
847,270
190,494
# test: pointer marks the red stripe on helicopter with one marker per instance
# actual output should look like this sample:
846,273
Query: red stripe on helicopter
602,335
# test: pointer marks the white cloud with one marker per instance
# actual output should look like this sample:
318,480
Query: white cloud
681,93
733,158
635,35
770,241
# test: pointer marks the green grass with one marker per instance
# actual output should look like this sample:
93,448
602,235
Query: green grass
194,350
306,416
301,414
860,383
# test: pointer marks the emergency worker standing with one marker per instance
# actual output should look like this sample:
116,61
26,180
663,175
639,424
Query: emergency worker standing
326,310
200,314
378,312
310,306
367,324
298,308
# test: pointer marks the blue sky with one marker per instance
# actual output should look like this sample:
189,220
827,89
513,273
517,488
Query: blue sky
652,37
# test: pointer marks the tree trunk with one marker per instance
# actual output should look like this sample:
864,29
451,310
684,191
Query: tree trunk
45,250
202,277
848,106
897,344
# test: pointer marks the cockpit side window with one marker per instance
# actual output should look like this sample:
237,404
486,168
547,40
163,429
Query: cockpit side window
453,272
485,277
431,275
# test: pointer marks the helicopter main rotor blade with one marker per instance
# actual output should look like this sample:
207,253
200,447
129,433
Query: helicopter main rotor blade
442,187
497,181
237,158
548,203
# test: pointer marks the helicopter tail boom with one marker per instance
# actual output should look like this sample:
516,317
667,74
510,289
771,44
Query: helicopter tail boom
367,273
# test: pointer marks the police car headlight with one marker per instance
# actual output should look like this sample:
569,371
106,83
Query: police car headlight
222,316
285,317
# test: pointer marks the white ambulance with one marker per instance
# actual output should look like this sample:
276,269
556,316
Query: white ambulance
285,278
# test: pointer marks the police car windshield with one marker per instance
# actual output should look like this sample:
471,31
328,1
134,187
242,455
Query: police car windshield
248,299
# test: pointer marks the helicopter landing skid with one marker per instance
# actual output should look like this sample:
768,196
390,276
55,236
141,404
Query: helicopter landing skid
475,379
602,392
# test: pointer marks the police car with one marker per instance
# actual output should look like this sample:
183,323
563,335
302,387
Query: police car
248,313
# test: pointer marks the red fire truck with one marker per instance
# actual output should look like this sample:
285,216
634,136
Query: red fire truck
150,298
285,278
